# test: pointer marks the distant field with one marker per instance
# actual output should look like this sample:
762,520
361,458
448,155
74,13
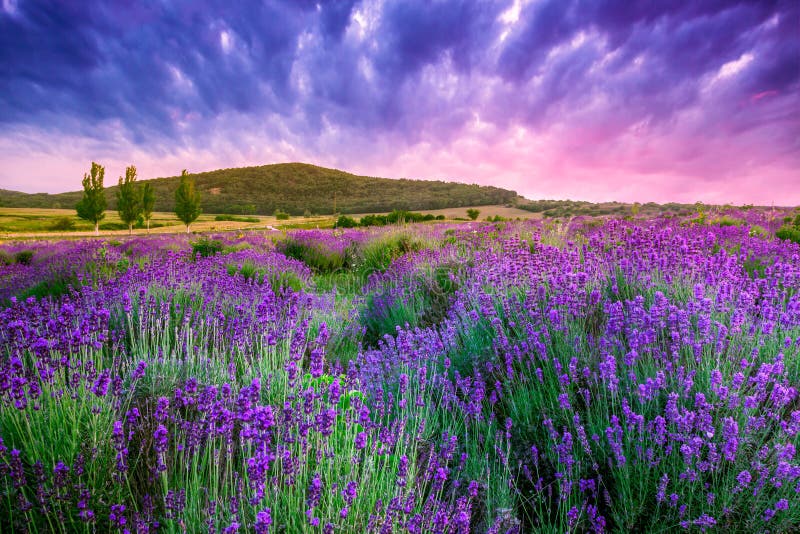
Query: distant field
38,222
16,223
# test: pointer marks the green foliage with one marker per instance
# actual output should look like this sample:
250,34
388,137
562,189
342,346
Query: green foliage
316,256
236,218
398,217
187,200
496,218
23,257
92,206
148,202
379,254
725,220
472,213
62,224
129,198
758,231
755,267
6,258
788,233
345,222
281,215
206,247
278,281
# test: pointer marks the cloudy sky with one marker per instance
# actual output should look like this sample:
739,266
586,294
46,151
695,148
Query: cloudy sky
646,100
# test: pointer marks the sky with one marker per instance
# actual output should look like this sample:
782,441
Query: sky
628,100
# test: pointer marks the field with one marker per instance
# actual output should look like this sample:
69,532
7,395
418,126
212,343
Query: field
590,375
17,223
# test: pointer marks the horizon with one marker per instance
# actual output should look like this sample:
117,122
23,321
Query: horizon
609,201
630,102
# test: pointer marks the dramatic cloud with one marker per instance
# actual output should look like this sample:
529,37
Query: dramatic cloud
597,100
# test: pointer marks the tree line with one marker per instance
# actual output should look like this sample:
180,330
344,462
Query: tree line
134,201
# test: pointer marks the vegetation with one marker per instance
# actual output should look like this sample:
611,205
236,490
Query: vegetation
345,222
237,218
295,188
148,203
62,224
791,230
477,378
187,200
129,198
472,213
92,206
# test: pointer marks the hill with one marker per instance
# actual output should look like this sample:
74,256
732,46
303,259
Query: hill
295,188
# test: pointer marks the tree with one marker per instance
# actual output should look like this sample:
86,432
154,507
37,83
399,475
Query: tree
129,198
472,213
187,200
148,203
92,206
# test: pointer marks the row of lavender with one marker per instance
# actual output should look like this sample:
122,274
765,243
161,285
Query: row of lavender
510,377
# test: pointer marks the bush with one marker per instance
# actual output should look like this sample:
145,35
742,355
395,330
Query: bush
113,226
728,221
23,257
373,220
206,247
6,258
281,215
62,224
472,213
318,258
236,218
788,233
379,254
345,222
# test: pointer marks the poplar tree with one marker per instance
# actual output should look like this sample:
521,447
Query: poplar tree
92,206
129,198
187,200
148,203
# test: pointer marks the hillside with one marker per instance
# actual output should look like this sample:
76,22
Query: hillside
294,188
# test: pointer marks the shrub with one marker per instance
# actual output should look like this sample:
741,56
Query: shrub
6,258
206,247
345,222
281,215
788,233
23,257
113,226
373,220
62,224
379,254
727,221
317,257
236,218
472,213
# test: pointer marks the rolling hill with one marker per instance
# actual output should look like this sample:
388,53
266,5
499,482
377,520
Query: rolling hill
295,188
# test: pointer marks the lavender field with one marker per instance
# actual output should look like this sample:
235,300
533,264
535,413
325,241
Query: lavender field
591,376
